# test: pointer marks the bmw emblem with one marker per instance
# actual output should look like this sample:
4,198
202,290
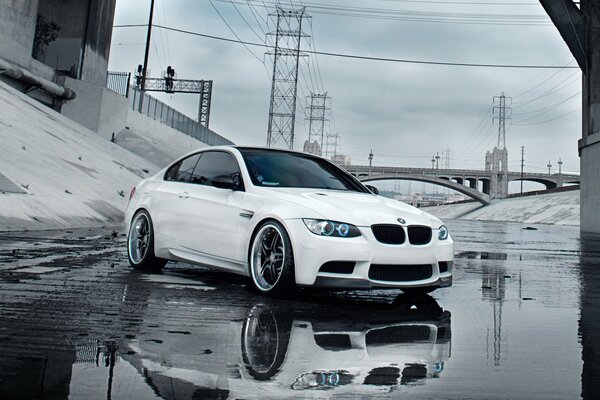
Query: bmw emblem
401,220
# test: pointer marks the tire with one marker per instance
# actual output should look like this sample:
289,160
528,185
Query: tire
140,244
271,260
265,340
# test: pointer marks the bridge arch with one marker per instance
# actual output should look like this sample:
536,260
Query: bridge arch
474,194
549,184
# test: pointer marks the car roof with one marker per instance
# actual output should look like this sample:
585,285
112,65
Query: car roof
275,150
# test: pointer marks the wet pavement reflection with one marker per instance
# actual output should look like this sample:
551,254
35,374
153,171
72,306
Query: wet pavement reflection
522,321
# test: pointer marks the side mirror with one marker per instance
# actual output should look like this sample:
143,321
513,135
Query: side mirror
232,182
373,189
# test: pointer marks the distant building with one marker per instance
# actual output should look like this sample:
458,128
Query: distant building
496,161
312,148
341,159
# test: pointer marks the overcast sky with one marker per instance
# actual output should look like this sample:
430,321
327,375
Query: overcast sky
404,112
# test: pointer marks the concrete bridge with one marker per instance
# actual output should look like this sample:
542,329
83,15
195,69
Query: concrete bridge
473,183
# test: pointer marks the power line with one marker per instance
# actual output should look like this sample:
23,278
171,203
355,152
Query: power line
544,110
552,90
544,81
244,19
354,56
228,26
551,119
463,3
422,16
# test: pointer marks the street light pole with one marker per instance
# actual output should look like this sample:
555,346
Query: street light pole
370,162
522,165
559,166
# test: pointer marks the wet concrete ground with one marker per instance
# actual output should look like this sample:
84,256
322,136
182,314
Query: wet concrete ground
522,321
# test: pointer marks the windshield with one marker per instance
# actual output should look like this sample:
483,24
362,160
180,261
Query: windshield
283,169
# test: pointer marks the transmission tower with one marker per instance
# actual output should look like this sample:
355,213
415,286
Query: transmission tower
503,112
331,144
284,85
497,160
316,118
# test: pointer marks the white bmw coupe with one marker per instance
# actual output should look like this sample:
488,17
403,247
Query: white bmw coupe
284,219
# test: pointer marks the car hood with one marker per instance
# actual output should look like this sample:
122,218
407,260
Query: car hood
360,209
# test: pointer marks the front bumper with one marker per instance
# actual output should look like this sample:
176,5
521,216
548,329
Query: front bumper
312,251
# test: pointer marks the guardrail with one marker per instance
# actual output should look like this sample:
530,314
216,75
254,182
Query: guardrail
120,82
167,115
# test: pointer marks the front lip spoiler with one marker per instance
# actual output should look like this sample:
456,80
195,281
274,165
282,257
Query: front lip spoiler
349,283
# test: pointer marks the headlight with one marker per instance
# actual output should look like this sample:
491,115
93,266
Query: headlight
324,227
322,380
443,233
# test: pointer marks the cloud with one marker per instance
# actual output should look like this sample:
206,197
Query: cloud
404,112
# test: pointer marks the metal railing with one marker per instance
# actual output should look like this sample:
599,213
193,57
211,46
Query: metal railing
118,82
167,115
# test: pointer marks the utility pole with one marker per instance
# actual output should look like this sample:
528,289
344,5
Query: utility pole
284,84
437,162
549,166
447,168
433,163
146,54
370,161
522,165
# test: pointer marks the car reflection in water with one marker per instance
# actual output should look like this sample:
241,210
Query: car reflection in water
274,351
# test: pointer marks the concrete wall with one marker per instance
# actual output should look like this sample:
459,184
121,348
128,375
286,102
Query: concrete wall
114,110
155,130
97,108
17,29
97,43
590,183
83,45
64,54
85,109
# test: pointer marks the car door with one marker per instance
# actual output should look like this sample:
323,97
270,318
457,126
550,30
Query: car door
211,212
168,197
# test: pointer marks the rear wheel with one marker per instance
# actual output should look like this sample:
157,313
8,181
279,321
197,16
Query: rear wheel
140,244
271,260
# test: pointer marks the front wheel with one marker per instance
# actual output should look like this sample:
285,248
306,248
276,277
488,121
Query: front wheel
140,244
272,260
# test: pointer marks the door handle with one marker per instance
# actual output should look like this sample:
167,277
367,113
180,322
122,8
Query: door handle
183,195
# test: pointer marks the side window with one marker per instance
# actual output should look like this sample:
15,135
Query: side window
214,164
182,171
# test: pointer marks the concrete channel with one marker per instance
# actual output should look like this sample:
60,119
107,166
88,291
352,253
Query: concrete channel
520,322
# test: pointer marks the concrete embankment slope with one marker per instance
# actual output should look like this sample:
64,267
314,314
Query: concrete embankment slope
552,208
154,141
55,173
